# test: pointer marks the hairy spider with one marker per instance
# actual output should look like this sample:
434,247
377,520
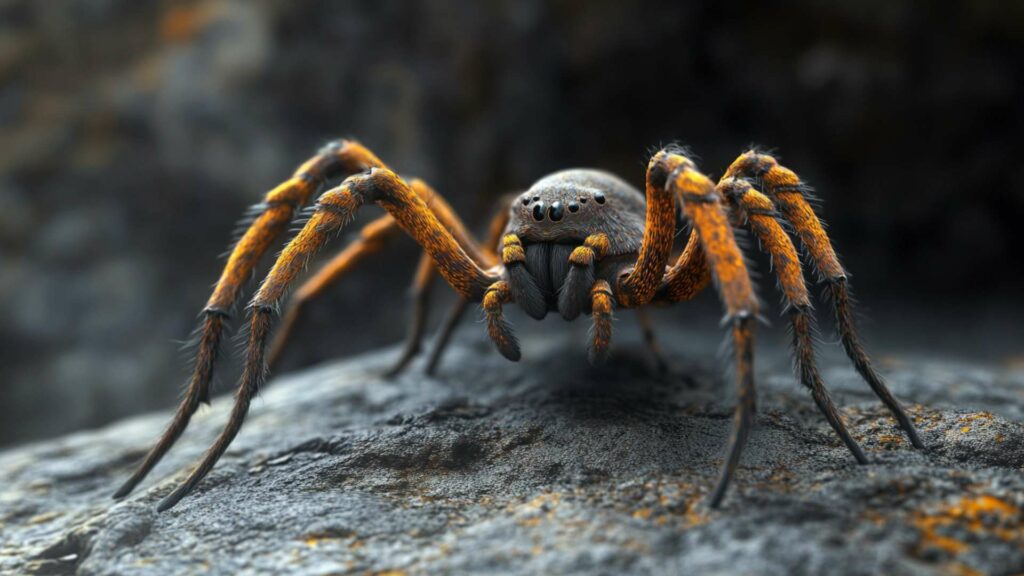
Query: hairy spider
577,242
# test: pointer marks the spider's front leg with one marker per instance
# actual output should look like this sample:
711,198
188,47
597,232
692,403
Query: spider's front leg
758,212
670,176
788,193
334,210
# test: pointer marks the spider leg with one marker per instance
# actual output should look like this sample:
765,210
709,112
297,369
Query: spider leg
602,302
688,276
334,210
444,334
651,340
575,295
421,288
639,285
497,295
759,213
372,239
271,219
786,189
494,236
523,287
702,207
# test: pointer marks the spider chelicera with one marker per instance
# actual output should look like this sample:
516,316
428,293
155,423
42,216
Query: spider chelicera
577,242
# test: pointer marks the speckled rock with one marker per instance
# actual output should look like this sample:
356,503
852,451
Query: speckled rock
518,468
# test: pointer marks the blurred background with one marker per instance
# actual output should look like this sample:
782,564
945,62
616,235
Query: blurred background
133,134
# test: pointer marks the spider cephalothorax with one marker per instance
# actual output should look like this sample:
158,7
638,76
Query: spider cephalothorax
577,242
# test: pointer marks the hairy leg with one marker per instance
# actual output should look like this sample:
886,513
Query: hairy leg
422,284
270,220
334,210
576,293
702,207
523,287
788,193
758,212
455,314
496,230
641,283
602,302
498,328
688,276
651,340
372,239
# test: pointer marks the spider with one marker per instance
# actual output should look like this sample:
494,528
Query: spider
578,242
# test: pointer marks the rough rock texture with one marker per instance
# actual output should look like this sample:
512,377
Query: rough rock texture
547,466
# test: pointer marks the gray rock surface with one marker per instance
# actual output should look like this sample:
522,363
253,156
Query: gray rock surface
547,466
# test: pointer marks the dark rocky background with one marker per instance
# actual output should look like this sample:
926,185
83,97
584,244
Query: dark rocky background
133,134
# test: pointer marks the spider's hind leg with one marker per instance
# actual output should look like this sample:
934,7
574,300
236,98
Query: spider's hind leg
787,191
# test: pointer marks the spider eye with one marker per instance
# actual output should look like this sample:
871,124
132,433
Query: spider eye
526,201
555,212
538,211
599,197
574,207
583,199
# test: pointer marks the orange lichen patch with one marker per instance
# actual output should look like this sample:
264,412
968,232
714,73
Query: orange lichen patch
183,23
976,416
890,441
545,501
874,517
643,513
979,516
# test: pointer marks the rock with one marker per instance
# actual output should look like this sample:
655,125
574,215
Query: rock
521,468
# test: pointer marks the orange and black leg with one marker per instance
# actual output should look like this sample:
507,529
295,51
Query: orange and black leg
576,295
496,230
758,212
372,239
334,210
788,193
499,330
269,220
672,175
601,304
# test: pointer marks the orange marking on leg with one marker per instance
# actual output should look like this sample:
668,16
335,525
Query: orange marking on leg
701,206
498,329
759,212
601,310
689,275
416,218
639,287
